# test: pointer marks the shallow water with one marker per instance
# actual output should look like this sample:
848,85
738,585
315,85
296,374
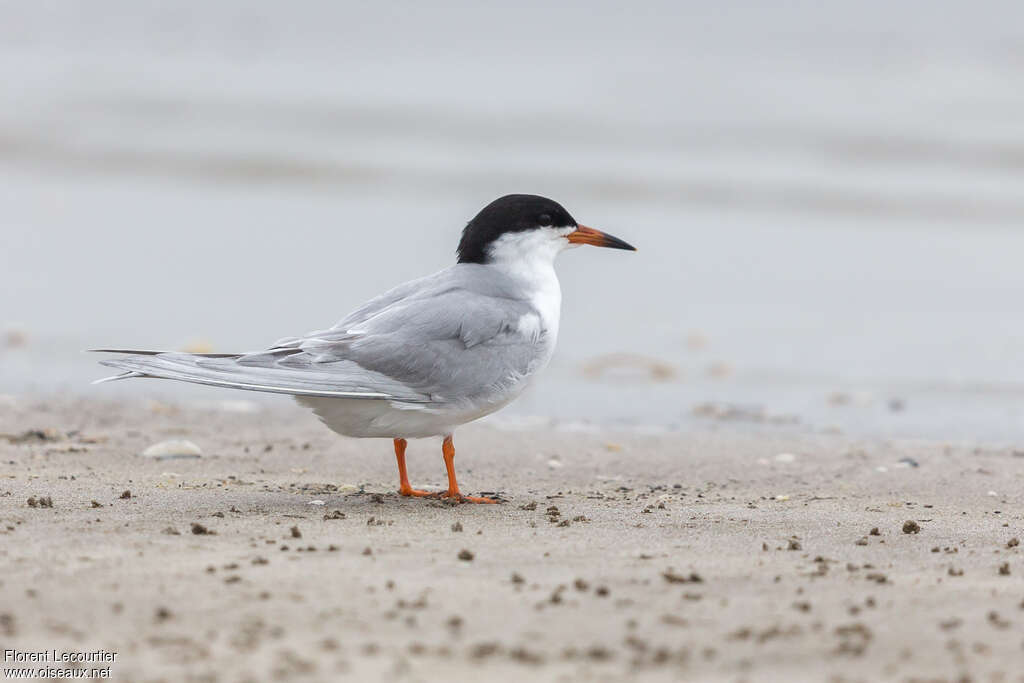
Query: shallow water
828,201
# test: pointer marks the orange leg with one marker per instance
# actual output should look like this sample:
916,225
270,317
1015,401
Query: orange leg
448,449
403,477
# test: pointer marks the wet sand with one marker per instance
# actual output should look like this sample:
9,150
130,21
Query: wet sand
728,554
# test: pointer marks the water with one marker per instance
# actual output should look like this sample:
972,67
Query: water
828,198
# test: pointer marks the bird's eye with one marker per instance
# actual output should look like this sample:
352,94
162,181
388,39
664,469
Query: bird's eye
544,220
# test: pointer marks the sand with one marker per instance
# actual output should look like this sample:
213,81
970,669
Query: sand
729,554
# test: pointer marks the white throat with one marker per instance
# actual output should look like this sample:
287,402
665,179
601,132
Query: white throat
529,257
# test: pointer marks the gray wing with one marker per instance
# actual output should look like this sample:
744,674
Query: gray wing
451,336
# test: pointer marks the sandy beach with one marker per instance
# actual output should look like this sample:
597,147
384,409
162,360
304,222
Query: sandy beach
282,552
784,441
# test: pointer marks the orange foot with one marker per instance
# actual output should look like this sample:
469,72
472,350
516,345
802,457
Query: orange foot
416,493
448,450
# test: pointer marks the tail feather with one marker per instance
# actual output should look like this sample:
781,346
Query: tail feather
124,375
145,352
224,370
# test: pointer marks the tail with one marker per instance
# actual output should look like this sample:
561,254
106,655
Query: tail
249,372
140,352
114,378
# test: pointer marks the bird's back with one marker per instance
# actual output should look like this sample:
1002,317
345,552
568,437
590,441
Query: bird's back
459,336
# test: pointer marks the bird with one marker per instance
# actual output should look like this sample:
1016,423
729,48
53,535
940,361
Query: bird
428,355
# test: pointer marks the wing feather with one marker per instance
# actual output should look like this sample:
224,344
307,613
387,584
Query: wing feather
449,337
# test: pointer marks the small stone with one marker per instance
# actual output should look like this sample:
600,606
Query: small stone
33,436
173,449
673,577
911,527
465,555
295,532
997,621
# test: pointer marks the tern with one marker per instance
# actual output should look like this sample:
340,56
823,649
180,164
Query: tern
427,356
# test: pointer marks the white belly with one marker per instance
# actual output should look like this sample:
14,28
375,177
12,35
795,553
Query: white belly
388,419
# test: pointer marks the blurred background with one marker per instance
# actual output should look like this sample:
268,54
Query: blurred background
828,197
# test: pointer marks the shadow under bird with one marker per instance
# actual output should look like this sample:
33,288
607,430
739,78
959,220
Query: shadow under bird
427,356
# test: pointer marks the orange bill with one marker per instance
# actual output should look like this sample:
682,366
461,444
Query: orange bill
584,235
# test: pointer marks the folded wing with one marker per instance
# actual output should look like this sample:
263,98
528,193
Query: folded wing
449,337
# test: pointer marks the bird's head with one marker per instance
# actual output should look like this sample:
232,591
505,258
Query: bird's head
526,226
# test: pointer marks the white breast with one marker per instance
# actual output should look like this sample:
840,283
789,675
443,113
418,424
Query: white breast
529,258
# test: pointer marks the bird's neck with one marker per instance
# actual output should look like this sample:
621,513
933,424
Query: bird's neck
531,273
528,258
539,284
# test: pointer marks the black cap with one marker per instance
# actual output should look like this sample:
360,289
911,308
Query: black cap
511,213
